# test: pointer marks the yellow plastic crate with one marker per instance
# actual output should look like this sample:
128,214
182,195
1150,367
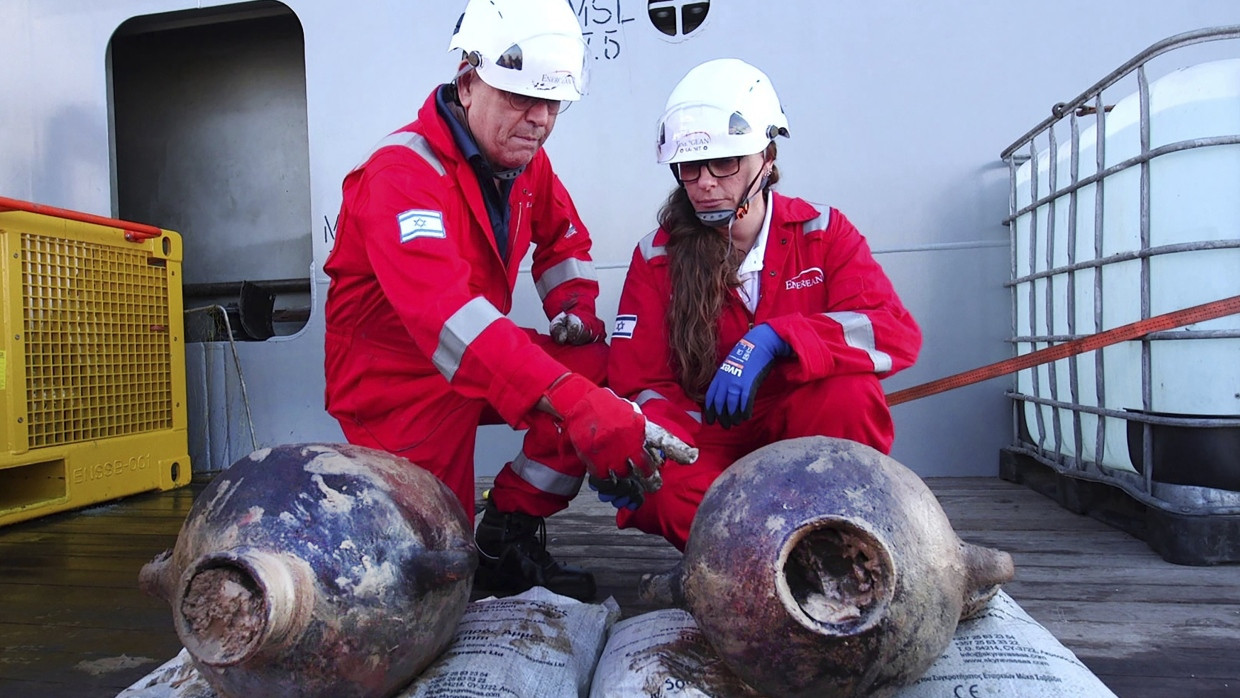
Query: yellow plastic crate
92,361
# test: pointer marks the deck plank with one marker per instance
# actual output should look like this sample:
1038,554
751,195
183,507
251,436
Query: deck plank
72,622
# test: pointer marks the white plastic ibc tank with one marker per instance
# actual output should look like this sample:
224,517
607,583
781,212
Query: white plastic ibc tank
1194,197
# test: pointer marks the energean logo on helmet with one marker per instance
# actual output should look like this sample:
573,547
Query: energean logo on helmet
550,81
695,142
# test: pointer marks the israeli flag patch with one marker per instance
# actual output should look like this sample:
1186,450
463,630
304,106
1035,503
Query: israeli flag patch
625,324
417,223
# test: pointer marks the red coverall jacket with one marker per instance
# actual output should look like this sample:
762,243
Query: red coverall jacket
822,292
419,291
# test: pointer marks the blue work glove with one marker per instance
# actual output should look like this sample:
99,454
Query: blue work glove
621,493
729,399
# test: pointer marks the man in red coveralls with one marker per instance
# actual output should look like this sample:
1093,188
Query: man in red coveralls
430,235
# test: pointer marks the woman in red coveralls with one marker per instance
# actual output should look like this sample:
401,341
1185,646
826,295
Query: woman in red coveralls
748,316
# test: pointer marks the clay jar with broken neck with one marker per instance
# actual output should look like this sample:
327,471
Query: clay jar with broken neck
317,570
821,567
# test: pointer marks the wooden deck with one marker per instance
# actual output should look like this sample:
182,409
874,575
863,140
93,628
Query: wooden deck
72,622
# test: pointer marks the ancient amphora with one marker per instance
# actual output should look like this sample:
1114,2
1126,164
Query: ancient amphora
317,570
821,567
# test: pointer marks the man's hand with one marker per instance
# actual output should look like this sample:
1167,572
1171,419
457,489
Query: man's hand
611,435
575,329
630,492
729,399
608,432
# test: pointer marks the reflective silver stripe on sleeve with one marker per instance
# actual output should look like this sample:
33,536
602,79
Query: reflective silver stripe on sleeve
647,395
568,270
413,141
544,478
460,331
859,334
820,223
649,249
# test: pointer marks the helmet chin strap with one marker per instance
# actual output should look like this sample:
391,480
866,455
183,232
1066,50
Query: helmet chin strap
718,219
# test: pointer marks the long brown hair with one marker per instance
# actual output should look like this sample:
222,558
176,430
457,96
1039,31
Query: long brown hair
703,267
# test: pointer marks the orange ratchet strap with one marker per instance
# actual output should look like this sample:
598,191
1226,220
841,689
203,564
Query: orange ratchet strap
1123,333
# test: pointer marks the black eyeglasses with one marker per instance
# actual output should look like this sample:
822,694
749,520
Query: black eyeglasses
524,103
718,168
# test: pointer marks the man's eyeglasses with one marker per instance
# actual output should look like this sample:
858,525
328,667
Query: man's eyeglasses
718,168
524,103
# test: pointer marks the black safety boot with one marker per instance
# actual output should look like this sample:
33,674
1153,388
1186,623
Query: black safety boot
512,557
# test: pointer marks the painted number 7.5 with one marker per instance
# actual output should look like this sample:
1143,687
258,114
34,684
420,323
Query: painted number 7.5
604,45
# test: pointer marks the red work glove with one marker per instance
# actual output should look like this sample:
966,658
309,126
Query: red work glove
608,432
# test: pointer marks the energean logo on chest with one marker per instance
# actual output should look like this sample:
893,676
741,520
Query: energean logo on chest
806,279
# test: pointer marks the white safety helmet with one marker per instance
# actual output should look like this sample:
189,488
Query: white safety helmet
530,47
721,108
